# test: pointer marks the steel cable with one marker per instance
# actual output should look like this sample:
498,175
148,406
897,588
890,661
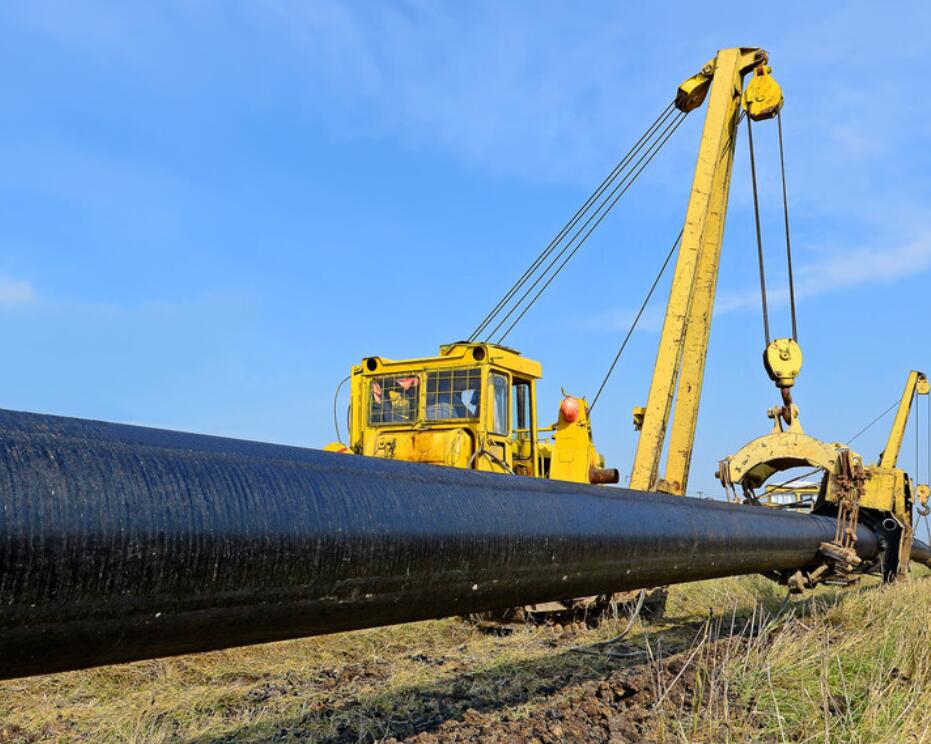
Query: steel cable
335,406
636,320
658,145
785,211
657,123
874,421
652,289
759,235
622,185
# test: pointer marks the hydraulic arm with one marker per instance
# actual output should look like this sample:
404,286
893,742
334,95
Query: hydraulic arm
881,495
916,384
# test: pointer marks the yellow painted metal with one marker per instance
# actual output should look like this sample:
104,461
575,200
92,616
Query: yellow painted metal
573,452
762,98
916,383
783,361
881,489
692,92
451,447
922,492
885,490
680,359
775,452
698,326
337,447
888,489
478,437
413,436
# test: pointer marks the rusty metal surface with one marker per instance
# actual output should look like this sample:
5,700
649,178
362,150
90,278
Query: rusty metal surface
603,476
120,542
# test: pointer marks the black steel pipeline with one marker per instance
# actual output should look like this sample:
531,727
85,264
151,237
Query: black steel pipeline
921,552
120,542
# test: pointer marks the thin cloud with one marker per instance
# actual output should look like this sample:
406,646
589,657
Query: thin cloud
867,266
15,292
501,89
837,271
841,270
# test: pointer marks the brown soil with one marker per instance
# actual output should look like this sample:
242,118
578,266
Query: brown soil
615,709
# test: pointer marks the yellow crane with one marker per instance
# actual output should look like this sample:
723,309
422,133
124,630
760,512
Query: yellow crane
474,404
915,384
683,347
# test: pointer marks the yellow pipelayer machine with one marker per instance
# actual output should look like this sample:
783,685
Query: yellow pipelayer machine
474,404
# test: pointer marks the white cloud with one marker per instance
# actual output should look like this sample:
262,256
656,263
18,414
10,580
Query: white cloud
866,266
102,31
840,270
832,272
504,90
15,292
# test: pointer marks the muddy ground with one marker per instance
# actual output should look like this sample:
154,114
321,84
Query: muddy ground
617,708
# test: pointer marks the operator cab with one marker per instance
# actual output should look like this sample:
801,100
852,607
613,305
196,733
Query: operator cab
472,406
469,406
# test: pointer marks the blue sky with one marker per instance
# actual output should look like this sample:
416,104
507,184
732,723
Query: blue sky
209,211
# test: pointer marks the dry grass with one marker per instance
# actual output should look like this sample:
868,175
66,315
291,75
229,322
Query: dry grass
348,686
851,665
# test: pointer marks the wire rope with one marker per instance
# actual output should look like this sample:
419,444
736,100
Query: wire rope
573,221
647,157
785,212
759,234
335,403
636,320
652,289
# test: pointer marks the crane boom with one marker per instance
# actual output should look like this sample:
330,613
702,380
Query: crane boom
680,359
917,382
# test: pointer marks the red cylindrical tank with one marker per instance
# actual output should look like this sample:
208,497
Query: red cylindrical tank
569,408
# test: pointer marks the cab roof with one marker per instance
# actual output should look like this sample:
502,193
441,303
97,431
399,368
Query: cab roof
456,354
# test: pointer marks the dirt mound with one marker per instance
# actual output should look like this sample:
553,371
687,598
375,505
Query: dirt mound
618,708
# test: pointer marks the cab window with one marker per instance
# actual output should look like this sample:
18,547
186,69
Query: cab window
453,394
499,403
393,399
521,408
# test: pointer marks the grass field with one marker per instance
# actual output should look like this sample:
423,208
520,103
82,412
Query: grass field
724,664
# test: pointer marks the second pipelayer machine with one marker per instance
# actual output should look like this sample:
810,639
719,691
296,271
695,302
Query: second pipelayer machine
120,543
